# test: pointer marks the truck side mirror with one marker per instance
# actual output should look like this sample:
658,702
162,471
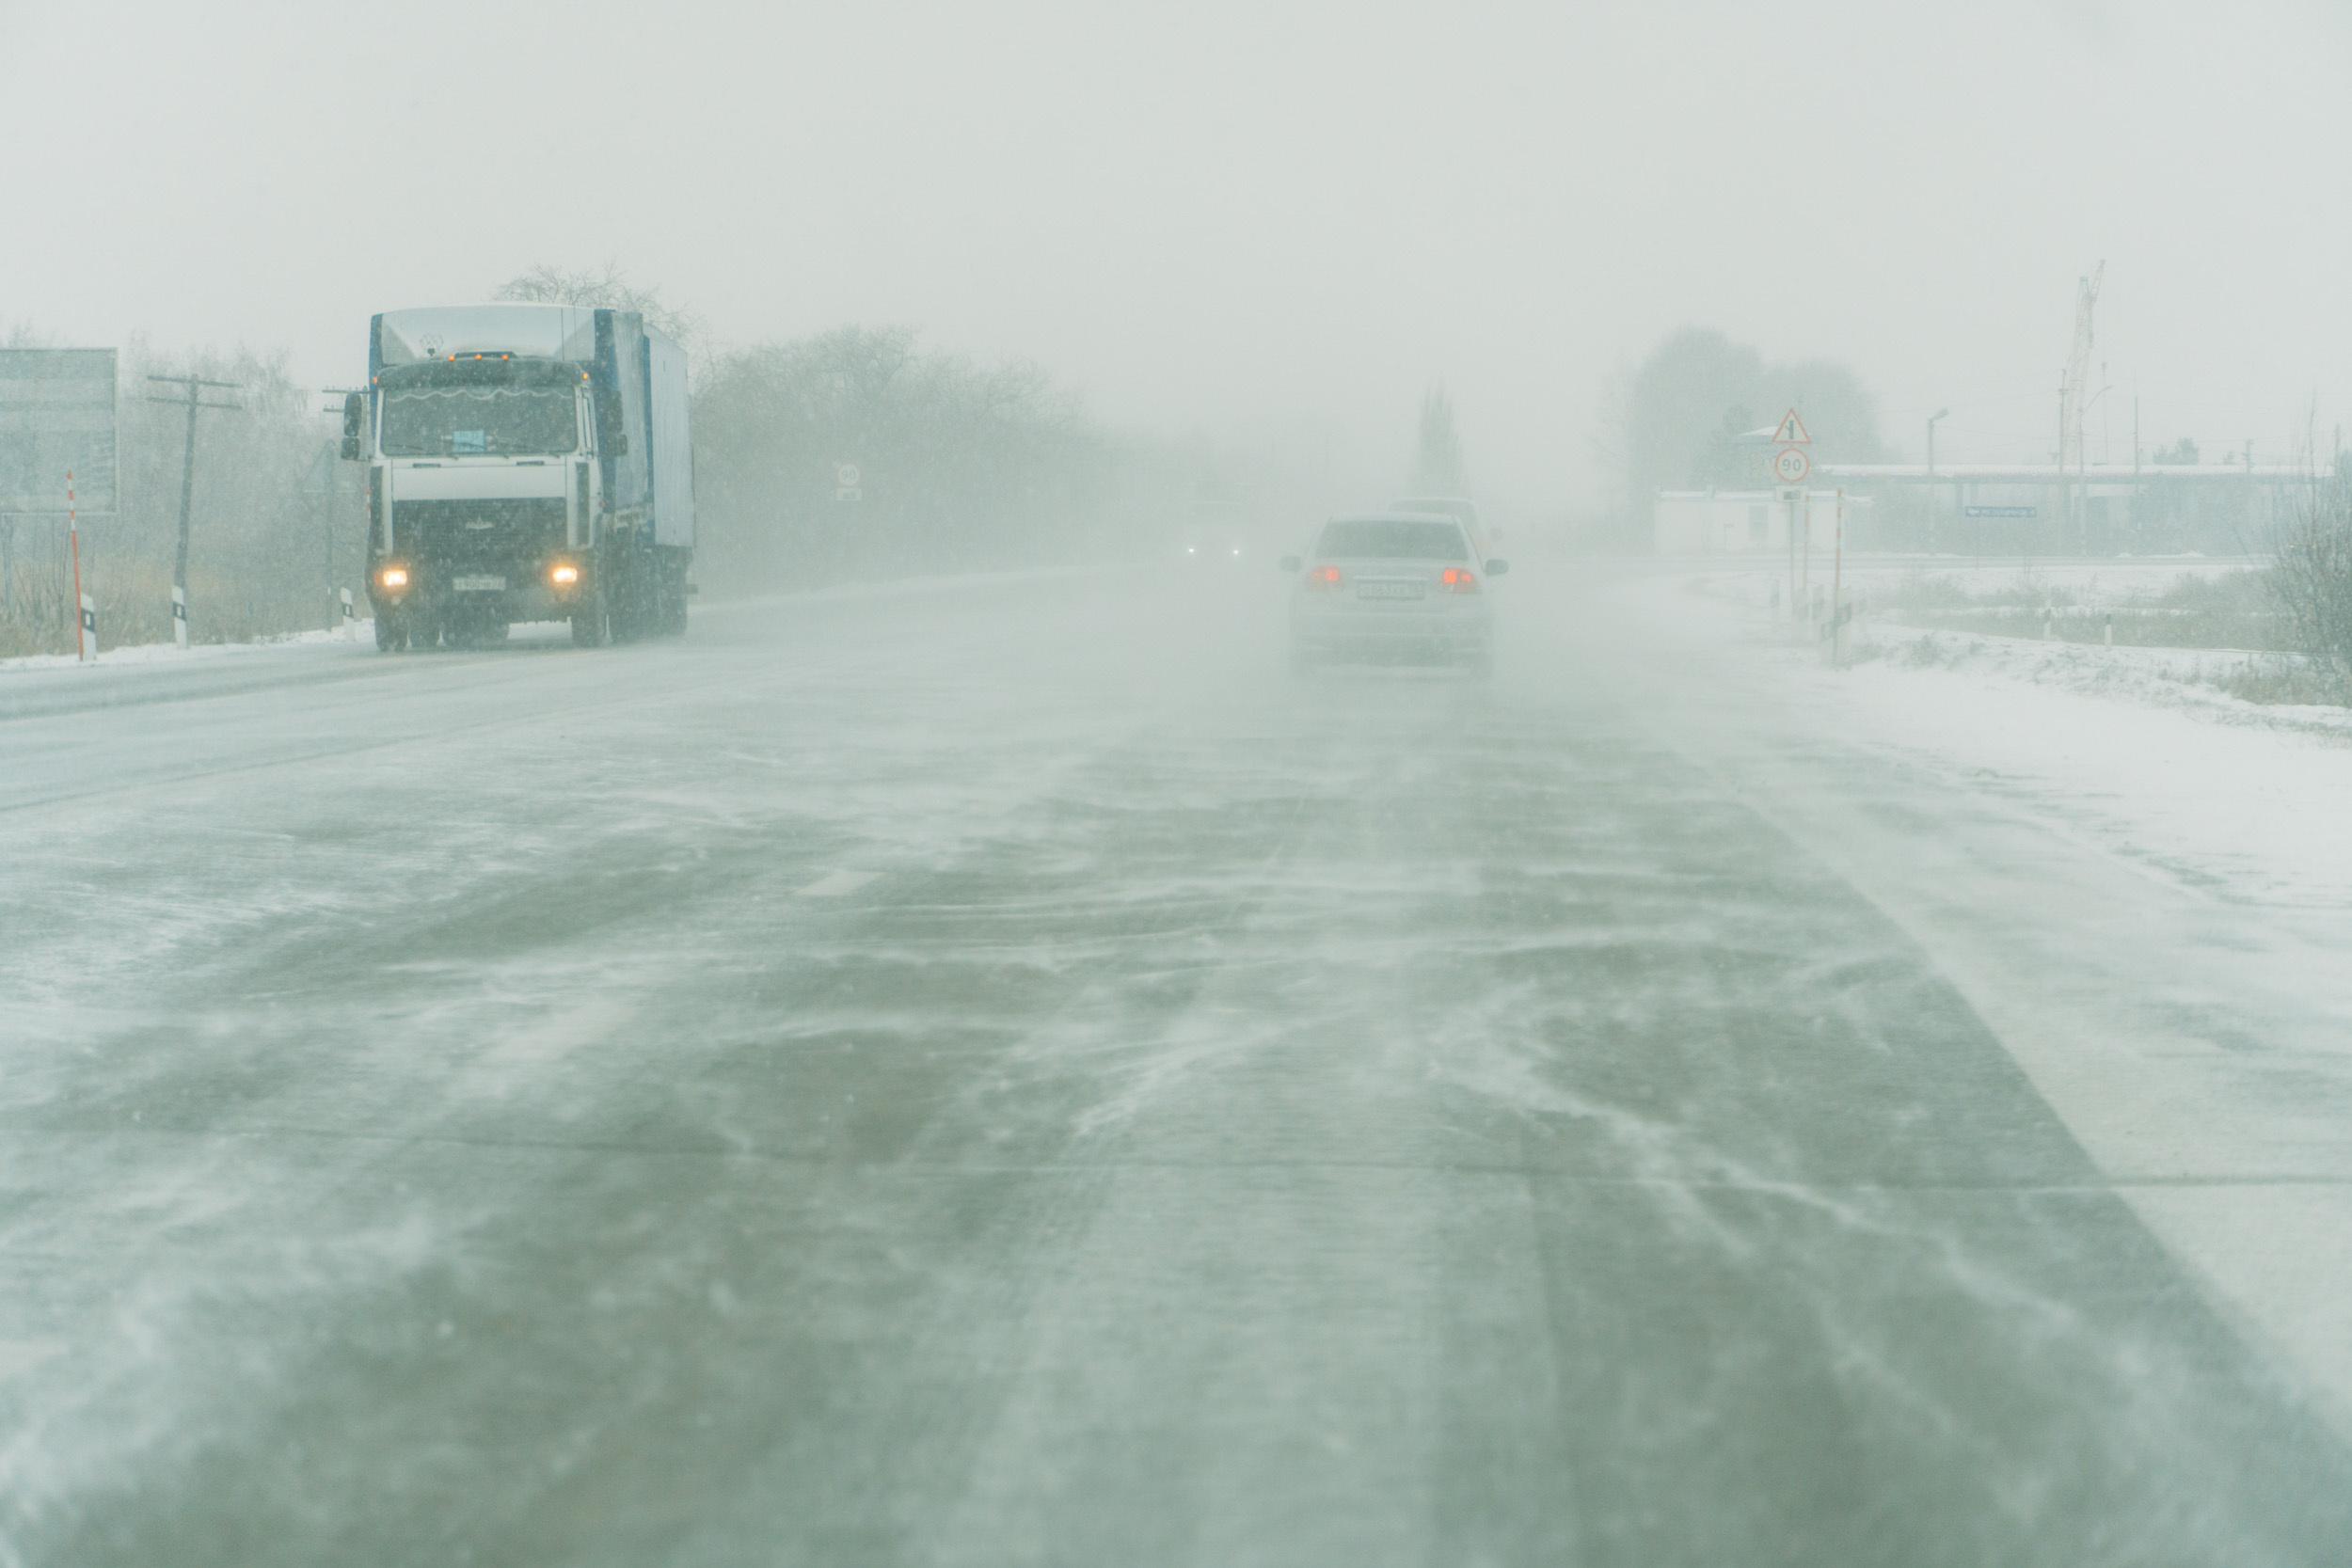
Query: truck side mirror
354,425
611,439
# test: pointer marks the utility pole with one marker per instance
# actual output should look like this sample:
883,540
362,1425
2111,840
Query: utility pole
187,489
335,488
2060,490
1939,414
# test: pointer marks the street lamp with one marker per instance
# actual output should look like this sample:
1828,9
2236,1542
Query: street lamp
1939,414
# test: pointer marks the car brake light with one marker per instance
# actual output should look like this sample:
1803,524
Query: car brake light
1460,580
1326,577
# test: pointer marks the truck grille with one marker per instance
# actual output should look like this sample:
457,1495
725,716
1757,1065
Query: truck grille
479,532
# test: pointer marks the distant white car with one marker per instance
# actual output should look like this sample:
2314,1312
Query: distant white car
1211,548
1393,587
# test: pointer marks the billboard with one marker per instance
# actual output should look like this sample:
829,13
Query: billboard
56,414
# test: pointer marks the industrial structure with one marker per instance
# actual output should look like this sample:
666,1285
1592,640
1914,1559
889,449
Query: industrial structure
2069,505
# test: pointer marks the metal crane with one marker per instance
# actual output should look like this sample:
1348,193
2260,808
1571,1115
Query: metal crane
2078,388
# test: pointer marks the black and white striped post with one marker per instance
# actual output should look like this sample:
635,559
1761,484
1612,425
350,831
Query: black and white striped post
351,619
179,615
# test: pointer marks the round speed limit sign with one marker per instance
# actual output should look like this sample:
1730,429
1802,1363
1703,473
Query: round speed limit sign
1790,464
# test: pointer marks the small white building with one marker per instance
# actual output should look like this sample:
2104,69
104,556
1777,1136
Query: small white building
1736,522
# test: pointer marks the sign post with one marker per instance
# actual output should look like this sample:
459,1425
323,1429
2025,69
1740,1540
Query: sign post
845,481
85,612
1789,467
1837,590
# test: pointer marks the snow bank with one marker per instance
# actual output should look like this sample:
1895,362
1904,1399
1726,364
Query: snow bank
2136,748
148,653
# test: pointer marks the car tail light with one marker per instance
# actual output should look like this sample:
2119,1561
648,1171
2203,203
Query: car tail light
1323,577
1459,580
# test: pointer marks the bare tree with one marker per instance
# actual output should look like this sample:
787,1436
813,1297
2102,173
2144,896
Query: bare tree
606,290
1675,414
2310,580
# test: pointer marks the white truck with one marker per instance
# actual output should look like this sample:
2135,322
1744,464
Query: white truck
525,463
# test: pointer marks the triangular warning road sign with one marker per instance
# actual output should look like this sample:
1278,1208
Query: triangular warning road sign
1791,432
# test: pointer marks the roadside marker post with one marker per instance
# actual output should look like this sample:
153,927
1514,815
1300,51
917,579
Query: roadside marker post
179,615
351,621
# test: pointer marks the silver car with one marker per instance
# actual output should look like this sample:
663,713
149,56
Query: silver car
1393,587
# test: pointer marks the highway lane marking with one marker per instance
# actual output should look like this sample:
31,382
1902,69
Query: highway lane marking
837,884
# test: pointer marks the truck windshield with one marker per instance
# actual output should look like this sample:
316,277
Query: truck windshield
456,421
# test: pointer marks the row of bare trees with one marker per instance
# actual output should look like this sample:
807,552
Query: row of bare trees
857,453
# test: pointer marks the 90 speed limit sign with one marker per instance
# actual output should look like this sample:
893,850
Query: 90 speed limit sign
1790,464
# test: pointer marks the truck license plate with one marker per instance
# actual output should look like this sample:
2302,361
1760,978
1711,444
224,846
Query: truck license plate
1387,590
479,585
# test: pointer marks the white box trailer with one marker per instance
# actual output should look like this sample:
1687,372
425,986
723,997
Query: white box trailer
525,462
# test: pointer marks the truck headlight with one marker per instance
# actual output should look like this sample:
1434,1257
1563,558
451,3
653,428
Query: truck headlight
565,575
393,576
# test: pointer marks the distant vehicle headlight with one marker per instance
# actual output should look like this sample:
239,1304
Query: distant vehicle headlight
565,575
393,576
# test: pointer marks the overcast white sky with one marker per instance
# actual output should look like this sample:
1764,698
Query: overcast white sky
1243,216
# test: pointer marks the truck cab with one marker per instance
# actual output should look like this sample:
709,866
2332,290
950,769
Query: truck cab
525,463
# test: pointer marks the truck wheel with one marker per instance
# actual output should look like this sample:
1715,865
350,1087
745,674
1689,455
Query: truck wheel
387,637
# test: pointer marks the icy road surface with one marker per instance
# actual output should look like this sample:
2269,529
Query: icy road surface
995,1072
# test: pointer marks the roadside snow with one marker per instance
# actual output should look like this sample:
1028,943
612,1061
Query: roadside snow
149,652
2132,746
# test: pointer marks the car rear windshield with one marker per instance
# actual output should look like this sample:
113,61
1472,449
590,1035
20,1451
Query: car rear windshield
1392,539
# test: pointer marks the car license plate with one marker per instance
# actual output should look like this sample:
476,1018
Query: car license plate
1387,590
479,585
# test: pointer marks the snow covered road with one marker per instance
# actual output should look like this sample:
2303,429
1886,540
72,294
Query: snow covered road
993,1072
